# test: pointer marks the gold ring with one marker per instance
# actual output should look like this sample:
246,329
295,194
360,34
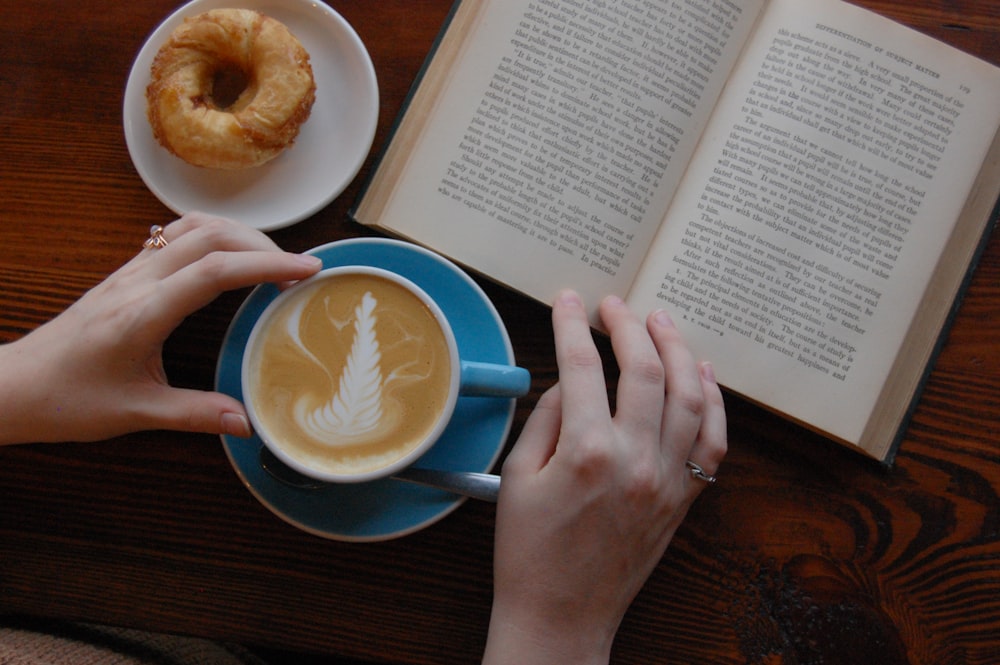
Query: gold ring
155,239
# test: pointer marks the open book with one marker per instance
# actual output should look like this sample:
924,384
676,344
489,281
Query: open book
804,185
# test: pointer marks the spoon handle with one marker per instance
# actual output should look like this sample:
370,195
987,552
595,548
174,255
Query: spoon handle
482,486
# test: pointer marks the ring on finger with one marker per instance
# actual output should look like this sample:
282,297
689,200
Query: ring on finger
699,473
155,239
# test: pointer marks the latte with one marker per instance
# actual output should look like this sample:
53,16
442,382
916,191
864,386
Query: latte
350,373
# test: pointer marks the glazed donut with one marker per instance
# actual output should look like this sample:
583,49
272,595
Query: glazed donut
229,89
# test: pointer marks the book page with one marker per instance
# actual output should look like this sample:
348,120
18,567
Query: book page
799,247
557,134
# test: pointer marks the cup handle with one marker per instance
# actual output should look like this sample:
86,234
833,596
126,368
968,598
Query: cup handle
492,380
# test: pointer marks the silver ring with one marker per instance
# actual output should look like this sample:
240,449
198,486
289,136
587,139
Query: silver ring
699,473
155,239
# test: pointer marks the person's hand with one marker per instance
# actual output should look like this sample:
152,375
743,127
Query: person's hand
96,370
590,500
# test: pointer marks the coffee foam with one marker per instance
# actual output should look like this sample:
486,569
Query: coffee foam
352,374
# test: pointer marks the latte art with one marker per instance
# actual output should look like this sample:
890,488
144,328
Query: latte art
356,407
351,374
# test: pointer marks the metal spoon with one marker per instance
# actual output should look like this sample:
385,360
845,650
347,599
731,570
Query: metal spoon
482,486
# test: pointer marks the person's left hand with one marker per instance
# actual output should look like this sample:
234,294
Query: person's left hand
590,498
96,370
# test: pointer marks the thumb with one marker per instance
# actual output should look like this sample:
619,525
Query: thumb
538,439
200,411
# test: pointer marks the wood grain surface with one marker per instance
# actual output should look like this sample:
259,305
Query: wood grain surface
802,553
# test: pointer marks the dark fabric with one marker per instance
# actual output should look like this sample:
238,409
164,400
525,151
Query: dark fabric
32,642
28,641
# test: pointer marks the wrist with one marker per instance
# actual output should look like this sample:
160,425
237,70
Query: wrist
24,393
13,396
521,639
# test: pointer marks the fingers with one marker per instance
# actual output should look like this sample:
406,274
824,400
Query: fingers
711,445
684,406
664,395
197,284
581,373
641,383
196,411
196,235
538,439
206,256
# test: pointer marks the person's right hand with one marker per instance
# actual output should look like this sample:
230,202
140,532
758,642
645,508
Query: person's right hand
590,500
96,370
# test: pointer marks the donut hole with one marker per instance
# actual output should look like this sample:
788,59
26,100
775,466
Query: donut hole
231,87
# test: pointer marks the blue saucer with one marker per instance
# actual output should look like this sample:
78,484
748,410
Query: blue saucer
473,440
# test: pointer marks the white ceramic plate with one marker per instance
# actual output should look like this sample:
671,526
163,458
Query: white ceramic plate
327,155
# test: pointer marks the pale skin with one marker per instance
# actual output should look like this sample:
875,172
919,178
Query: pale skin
96,370
590,499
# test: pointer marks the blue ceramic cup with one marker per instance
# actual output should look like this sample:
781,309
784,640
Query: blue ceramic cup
354,373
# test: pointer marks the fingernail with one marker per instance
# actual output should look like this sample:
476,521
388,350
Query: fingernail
236,424
310,260
708,372
614,300
662,318
570,298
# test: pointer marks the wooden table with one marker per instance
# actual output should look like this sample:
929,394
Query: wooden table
802,553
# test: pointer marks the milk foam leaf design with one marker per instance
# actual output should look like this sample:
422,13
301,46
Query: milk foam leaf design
356,406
